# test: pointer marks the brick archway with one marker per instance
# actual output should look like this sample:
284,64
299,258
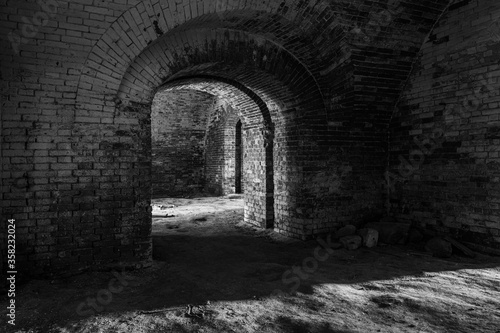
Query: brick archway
259,140
331,93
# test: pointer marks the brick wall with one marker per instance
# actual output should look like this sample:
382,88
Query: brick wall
315,81
220,153
236,99
68,175
445,141
179,123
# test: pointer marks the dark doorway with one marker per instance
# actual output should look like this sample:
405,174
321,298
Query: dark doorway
238,159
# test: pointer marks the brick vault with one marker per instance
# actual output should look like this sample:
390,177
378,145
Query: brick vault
349,111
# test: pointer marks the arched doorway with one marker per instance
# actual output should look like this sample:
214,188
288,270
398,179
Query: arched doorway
238,165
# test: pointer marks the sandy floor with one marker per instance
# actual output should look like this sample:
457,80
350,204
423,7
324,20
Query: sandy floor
185,215
212,273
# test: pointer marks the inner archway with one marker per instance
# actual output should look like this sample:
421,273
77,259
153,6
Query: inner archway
235,103
193,159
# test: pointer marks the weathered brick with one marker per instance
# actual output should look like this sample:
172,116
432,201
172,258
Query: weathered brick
463,154
302,73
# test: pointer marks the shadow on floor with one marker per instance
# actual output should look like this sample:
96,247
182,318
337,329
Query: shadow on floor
235,264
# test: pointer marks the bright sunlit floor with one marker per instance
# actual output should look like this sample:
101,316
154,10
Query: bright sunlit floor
182,214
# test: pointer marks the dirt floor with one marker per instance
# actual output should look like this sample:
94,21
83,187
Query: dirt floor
212,273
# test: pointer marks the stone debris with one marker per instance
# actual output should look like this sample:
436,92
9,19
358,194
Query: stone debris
351,242
336,245
369,236
385,301
348,230
439,247
415,236
194,311
390,232
460,247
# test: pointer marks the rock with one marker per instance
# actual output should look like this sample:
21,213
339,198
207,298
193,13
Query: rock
390,232
369,236
460,247
439,247
351,242
389,219
385,301
415,236
348,230
336,245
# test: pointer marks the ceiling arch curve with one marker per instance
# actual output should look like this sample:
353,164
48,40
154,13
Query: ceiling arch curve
265,69
250,107
144,25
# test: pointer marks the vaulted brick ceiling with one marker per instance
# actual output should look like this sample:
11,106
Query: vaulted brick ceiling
333,69
357,53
